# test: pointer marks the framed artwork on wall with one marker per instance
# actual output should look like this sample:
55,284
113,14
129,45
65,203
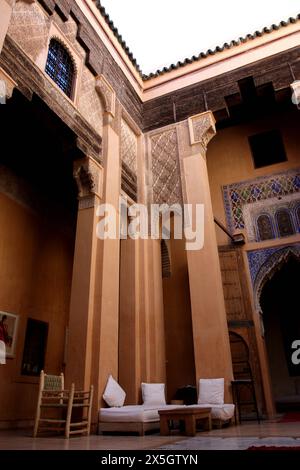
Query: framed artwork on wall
8,332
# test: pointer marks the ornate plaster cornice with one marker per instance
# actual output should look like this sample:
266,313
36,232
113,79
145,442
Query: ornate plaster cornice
202,128
7,85
88,175
295,86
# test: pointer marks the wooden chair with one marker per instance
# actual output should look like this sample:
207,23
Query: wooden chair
55,406
82,407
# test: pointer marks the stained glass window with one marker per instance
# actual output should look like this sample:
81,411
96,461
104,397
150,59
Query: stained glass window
284,223
264,226
60,66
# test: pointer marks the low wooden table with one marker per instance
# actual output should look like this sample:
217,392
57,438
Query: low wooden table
190,415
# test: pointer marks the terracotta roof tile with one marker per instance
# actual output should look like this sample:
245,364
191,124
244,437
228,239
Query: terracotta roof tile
194,58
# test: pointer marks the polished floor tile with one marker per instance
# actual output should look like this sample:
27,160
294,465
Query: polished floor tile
233,437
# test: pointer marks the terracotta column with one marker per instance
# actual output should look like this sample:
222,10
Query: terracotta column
265,368
141,333
94,310
106,322
129,359
210,333
88,175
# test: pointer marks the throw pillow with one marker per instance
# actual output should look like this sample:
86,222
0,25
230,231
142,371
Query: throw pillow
113,395
211,391
153,394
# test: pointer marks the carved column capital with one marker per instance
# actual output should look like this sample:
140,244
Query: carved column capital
202,129
7,85
88,175
295,86
107,94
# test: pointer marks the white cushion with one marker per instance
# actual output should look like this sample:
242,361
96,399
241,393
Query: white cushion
153,394
211,391
113,395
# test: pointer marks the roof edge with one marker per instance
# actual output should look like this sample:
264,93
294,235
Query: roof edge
194,58
116,33
218,49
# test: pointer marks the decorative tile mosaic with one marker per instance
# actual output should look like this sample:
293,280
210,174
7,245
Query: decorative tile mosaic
263,264
258,258
271,208
237,195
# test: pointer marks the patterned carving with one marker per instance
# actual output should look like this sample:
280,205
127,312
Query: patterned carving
202,128
257,258
264,226
129,160
107,94
284,222
165,168
238,195
7,85
29,27
88,175
128,146
264,263
89,103
252,214
295,86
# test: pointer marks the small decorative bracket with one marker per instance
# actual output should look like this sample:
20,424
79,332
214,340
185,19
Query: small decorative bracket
202,128
88,175
7,85
107,94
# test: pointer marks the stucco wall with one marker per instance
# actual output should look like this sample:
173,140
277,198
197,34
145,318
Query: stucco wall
35,278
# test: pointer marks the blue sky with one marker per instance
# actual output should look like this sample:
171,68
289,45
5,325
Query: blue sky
161,32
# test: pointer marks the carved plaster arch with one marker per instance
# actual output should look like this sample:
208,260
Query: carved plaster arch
269,268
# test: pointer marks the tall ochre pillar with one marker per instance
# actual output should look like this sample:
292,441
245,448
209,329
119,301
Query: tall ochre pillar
210,333
94,307
88,174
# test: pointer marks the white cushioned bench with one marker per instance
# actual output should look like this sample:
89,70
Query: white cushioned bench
131,418
142,418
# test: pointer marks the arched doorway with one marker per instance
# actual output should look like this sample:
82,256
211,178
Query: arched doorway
281,318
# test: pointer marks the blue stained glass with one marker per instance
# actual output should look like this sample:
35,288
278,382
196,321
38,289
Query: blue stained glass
60,66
